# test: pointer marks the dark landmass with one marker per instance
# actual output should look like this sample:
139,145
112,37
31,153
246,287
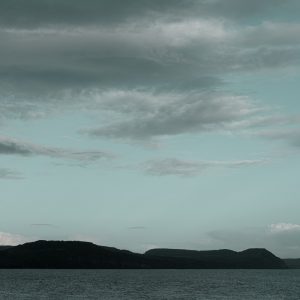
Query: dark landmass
256,258
4,247
292,263
85,255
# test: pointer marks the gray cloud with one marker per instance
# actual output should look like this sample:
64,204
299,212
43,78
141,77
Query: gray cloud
10,146
34,13
176,167
153,115
187,54
51,63
9,174
37,13
82,56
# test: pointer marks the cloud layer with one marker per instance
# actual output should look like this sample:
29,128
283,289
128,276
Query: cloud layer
40,13
183,54
146,69
156,67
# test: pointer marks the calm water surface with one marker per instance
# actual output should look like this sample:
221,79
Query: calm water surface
150,284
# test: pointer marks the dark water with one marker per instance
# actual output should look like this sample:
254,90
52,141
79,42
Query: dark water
150,284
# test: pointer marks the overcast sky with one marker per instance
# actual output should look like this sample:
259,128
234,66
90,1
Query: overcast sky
151,123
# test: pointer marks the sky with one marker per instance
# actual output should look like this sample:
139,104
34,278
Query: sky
151,123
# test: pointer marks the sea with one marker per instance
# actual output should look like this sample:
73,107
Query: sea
150,284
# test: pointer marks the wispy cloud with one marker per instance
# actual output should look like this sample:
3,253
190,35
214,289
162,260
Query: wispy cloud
177,167
9,146
151,115
137,228
10,174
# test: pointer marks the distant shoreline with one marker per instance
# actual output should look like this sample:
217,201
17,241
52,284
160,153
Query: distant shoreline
85,255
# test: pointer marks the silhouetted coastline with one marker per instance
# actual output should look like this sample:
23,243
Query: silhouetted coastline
85,255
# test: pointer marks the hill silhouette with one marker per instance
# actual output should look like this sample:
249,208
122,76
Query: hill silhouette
292,263
256,258
4,247
85,255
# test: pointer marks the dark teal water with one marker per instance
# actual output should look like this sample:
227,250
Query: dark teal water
150,284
